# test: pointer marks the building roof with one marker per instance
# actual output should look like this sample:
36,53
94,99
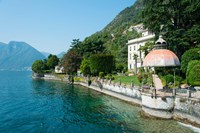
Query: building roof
161,58
141,39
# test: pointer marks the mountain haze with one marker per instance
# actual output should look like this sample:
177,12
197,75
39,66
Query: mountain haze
17,55
60,55
46,54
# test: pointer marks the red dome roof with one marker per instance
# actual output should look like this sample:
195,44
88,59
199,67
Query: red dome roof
161,58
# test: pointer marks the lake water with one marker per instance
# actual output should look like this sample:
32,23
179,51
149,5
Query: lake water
28,105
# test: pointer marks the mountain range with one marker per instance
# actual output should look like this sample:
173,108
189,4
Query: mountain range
18,56
60,55
46,54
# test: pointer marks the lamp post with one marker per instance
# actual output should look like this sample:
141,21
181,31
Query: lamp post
174,77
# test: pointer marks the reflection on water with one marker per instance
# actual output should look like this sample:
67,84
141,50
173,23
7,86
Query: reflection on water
43,106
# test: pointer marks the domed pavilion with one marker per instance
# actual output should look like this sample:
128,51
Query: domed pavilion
160,56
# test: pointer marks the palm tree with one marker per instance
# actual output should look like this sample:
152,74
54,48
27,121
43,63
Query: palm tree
135,56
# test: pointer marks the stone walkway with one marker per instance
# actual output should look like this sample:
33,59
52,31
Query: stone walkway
157,82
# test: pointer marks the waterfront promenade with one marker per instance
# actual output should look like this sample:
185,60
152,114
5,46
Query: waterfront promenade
182,105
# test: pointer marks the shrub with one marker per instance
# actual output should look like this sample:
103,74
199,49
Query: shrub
109,76
144,78
169,78
179,80
72,79
85,67
38,66
101,63
163,80
193,72
101,74
119,67
139,76
47,71
129,73
192,54
89,82
114,72
79,79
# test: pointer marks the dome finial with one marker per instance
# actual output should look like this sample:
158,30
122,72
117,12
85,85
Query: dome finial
160,43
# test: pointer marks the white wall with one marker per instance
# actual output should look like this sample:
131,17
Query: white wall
135,93
135,44
157,103
133,48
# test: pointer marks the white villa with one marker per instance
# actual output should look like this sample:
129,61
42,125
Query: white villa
135,44
59,69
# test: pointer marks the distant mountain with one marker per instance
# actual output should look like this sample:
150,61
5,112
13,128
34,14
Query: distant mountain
2,44
46,54
60,55
18,56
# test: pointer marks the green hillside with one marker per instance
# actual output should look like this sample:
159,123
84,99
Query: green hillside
125,18
113,38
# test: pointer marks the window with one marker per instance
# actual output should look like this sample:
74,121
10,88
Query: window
134,47
130,48
130,56
130,66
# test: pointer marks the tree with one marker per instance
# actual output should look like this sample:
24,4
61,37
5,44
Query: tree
52,61
122,56
147,47
71,62
38,66
192,54
193,72
135,56
85,67
76,45
180,20
93,44
101,63
119,67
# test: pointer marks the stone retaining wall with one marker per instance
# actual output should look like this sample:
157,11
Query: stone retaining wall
187,109
158,106
162,107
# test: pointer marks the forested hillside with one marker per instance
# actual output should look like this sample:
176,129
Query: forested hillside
177,21
113,38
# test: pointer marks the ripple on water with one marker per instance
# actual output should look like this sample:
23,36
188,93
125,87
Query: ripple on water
42,106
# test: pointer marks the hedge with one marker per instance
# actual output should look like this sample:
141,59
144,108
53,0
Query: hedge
192,54
101,63
193,73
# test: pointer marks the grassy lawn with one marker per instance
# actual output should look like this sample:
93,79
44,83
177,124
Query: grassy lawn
124,79
127,79
61,76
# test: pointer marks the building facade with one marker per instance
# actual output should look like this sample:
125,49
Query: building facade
59,69
135,44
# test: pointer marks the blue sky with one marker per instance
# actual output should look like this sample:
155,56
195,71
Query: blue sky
50,25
